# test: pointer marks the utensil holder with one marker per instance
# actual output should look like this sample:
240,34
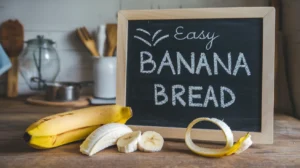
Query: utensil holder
104,73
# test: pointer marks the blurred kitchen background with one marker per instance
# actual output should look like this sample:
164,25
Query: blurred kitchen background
58,20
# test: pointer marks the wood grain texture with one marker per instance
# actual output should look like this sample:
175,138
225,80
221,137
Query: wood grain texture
16,116
276,5
267,99
196,13
268,75
121,59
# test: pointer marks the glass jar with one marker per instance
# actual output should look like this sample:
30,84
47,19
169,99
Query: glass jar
39,62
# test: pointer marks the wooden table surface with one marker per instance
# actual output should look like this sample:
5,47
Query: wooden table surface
15,116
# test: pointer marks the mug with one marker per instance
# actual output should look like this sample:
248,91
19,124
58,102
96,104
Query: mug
104,73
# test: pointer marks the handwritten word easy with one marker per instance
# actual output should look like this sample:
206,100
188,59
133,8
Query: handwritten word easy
181,35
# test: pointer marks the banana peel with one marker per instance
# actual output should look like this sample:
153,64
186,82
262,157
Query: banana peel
241,145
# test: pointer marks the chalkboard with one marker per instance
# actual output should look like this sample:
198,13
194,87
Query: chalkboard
180,69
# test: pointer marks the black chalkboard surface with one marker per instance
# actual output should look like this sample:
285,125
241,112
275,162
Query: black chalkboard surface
181,68
238,46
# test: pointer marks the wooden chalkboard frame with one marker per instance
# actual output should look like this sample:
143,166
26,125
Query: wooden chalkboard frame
268,39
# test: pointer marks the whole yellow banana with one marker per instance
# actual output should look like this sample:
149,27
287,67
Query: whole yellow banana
71,126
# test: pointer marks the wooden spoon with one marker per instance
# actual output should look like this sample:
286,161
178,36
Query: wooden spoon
111,39
12,40
88,41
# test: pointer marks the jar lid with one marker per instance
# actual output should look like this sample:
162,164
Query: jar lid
40,40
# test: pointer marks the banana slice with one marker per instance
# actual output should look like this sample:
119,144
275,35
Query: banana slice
103,137
128,142
241,145
151,142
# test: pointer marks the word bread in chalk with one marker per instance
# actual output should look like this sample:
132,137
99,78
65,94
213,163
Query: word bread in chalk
195,66
192,96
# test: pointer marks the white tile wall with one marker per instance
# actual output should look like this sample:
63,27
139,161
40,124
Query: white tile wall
57,20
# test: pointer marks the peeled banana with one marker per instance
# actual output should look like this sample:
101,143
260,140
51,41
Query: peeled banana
71,126
103,137
151,141
241,145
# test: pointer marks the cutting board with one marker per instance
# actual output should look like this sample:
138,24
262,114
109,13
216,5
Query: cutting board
40,100
12,40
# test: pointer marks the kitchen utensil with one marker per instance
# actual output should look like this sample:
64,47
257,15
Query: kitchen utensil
5,63
88,41
12,39
111,40
40,100
39,60
104,74
101,36
63,91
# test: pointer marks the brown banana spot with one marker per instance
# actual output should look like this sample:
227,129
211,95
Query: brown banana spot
46,119
54,140
62,115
